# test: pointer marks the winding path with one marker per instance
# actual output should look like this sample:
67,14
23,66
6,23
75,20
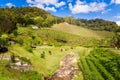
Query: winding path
66,71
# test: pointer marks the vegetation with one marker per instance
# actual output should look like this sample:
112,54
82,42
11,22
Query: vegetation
44,47
25,16
94,24
9,74
115,41
103,63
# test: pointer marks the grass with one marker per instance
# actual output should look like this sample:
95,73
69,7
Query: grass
60,36
84,32
48,65
9,74
50,36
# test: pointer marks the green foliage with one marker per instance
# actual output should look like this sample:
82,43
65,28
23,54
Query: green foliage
103,63
7,20
39,21
33,37
43,54
25,16
25,60
3,41
115,40
15,33
85,69
29,49
12,58
94,24
9,74
0,33
20,41
33,75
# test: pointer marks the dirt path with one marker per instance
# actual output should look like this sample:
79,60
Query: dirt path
66,71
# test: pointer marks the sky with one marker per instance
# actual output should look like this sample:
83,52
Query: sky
83,9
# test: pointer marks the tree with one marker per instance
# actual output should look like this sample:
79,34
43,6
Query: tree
7,21
3,41
115,41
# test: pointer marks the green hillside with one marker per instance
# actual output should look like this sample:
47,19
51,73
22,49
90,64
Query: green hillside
84,32
36,45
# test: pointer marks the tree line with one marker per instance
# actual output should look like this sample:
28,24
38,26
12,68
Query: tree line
94,24
10,17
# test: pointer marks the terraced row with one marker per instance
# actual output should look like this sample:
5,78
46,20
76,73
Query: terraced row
100,65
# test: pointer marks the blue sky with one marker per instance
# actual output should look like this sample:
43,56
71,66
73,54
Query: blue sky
87,9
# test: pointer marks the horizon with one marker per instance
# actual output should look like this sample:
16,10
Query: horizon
83,9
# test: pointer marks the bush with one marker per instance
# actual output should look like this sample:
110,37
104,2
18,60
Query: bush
33,75
12,58
43,55
29,49
26,60
3,41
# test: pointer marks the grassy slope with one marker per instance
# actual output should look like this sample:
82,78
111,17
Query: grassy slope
51,62
72,34
84,32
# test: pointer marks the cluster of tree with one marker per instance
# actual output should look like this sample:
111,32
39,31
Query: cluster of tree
7,20
9,17
94,24
115,41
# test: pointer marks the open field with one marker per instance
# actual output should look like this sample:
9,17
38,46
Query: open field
51,62
84,32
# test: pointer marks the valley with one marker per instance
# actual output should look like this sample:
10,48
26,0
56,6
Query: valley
34,46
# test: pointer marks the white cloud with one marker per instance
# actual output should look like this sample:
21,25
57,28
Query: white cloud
115,1
50,9
10,5
37,5
83,7
118,23
44,4
105,11
118,16
60,4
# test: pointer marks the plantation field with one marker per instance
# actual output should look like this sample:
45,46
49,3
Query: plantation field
100,65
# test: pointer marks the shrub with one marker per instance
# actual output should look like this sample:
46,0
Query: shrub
12,58
33,75
43,55
29,49
26,60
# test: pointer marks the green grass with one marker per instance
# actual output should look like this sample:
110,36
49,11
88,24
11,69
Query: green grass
56,37
84,32
60,36
48,65
9,74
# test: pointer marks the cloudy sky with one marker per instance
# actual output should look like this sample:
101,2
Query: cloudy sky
87,9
